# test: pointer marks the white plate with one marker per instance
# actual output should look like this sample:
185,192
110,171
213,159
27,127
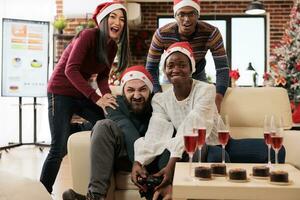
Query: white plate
205,179
239,181
260,177
281,183
219,175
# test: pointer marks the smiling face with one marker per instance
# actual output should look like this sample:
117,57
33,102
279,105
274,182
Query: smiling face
137,95
116,22
178,68
186,18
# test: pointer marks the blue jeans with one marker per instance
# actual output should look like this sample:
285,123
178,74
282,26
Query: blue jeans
244,151
60,111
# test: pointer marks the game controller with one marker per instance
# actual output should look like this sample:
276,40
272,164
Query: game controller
149,184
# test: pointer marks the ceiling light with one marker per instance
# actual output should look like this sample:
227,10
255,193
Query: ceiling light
255,8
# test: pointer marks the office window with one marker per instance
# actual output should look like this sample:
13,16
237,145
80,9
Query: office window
248,45
210,65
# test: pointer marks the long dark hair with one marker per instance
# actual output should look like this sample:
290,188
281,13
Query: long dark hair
103,35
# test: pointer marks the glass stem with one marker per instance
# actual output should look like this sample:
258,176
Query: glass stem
223,154
190,168
276,156
269,154
199,156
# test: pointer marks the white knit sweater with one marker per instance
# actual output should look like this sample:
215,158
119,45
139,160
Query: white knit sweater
197,110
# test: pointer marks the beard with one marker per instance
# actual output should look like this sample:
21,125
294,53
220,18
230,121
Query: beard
139,106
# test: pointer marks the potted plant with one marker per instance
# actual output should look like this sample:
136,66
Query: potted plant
59,24
91,23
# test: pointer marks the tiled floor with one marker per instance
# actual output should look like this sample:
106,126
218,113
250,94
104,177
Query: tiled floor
28,160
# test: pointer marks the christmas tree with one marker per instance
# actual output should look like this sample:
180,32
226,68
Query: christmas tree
285,59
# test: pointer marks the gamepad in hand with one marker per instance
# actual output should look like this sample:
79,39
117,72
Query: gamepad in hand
149,183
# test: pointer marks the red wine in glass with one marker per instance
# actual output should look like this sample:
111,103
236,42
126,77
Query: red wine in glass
267,137
277,142
268,141
201,141
190,143
268,123
223,137
201,136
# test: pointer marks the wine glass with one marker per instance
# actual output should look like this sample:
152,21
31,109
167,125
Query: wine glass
223,133
201,140
277,138
267,136
190,144
273,127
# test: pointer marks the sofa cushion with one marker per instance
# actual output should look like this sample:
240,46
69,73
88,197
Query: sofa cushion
123,181
246,132
246,108
291,143
127,195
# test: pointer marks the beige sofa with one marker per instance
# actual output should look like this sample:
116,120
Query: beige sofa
246,108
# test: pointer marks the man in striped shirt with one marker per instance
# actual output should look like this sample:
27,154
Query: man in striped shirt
202,37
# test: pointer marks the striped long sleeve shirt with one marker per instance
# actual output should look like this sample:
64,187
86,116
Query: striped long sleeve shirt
206,37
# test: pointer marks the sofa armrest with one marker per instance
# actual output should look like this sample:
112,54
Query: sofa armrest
79,158
291,143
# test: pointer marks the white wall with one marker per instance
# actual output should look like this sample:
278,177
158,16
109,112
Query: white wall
40,10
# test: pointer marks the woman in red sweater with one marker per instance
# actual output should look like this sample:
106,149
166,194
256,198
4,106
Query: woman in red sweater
91,52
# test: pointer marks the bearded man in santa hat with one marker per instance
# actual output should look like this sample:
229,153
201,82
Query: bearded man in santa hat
112,139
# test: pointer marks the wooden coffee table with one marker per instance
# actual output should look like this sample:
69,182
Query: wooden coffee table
221,188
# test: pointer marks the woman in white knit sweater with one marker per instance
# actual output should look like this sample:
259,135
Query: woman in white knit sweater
174,112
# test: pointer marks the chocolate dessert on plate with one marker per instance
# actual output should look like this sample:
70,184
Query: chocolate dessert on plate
261,171
203,172
238,174
218,169
279,176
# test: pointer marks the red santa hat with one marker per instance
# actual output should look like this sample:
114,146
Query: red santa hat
106,7
183,47
182,3
137,72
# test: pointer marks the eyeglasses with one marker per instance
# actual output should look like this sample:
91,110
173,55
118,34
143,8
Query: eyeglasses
189,15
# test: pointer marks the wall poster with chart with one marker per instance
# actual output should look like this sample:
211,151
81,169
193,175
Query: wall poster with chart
25,58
